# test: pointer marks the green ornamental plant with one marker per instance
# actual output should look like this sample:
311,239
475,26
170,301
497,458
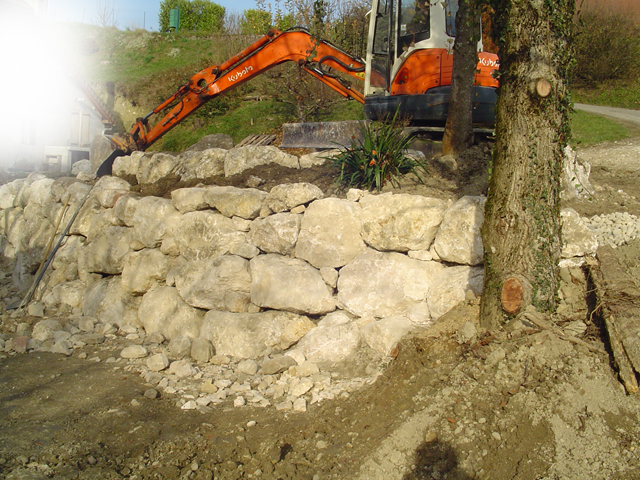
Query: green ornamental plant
377,159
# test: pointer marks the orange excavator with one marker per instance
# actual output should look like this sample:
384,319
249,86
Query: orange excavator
407,69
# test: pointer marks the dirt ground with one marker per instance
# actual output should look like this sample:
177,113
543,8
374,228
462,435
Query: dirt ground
517,404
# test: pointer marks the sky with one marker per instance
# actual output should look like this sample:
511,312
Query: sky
129,13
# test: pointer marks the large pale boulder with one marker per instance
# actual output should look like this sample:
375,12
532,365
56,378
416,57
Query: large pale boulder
22,196
128,165
106,300
144,269
221,283
276,233
330,233
289,284
125,209
330,343
400,222
154,219
384,334
199,165
243,158
578,239
253,335
82,225
162,310
156,167
40,191
386,285
8,193
450,286
67,293
232,201
458,239
206,234
107,252
290,195
109,189
189,199
317,158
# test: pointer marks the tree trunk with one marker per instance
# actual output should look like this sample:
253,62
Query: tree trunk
521,230
458,132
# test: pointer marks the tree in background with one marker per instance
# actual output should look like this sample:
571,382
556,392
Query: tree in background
107,16
458,132
195,15
521,231
255,22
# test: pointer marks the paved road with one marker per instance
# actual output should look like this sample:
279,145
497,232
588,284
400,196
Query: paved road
620,113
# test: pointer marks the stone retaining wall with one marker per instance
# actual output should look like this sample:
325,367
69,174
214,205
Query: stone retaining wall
254,273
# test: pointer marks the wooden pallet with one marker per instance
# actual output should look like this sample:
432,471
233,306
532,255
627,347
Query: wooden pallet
257,141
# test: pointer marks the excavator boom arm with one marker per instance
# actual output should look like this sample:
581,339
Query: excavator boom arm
274,48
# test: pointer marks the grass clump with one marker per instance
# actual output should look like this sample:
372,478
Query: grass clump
377,159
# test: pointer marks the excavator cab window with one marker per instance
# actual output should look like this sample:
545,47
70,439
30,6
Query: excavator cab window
413,23
450,11
383,43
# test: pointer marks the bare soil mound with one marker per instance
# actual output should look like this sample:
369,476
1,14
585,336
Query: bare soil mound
455,403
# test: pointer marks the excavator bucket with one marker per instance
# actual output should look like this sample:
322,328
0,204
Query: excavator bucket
102,154
321,135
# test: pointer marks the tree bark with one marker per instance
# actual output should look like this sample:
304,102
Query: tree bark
458,132
521,230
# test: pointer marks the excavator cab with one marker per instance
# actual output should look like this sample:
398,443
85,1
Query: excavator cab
409,63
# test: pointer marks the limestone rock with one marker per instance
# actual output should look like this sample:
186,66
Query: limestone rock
400,222
289,284
107,300
154,219
189,199
125,209
199,165
317,158
202,350
180,347
330,344
276,233
134,351
221,283
162,310
386,285
127,166
157,362
244,158
287,196
107,252
232,201
156,167
250,335
144,269
449,287
206,234
384,334
330,233
578,239
44,329
458,239
277,364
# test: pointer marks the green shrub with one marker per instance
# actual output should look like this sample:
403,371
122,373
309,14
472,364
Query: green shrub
195,15
607,46
379,158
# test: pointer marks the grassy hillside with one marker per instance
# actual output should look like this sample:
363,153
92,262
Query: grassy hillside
144,68
141,69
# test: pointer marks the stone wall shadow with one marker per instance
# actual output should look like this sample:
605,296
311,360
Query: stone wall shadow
436,460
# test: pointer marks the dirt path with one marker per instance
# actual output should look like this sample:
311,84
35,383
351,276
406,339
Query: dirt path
520,404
